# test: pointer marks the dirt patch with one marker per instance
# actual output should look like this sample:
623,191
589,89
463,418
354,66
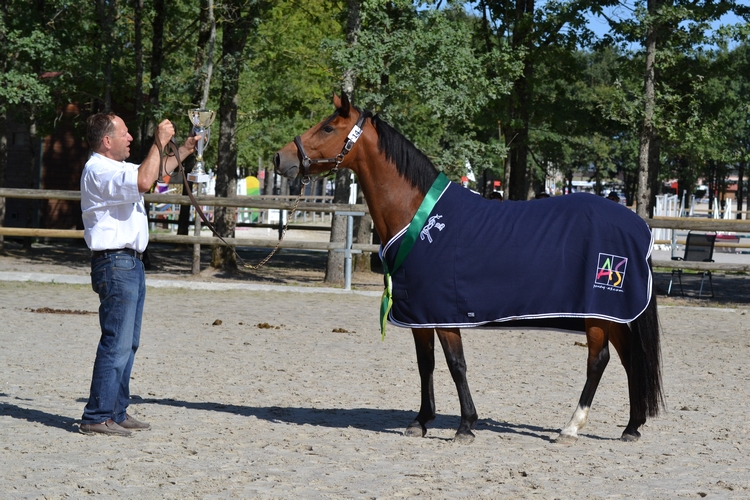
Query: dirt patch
49,310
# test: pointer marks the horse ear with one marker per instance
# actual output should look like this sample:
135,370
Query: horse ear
342,104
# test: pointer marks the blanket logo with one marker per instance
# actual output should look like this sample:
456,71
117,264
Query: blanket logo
431,222
610,271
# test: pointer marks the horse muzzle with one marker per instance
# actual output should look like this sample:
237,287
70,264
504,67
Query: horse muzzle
286,164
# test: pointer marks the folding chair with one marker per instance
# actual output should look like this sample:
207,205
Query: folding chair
699,247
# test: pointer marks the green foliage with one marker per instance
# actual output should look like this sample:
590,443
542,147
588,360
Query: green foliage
26,52
288,82
444,74
421,71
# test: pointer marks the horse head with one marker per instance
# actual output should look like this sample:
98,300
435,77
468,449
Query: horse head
325,146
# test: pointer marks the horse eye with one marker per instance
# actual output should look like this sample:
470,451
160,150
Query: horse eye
328,129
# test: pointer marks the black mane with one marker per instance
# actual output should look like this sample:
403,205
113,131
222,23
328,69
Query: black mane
410,162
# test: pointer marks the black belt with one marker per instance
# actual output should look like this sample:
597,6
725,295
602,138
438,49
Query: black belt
105,253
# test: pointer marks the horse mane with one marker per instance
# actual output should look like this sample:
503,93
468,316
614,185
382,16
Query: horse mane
410,162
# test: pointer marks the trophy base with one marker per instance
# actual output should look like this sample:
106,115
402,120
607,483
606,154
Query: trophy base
198,177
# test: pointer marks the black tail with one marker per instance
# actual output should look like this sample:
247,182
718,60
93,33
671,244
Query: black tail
645,363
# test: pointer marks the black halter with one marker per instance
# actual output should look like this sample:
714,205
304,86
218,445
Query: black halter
351,139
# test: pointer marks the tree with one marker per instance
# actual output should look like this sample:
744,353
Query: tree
546,35
238,21
421,71
26,48
203,71
342,184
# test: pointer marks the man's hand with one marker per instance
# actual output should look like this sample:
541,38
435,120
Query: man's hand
189,146
164,133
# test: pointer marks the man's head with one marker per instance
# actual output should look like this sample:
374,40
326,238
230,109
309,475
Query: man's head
108,135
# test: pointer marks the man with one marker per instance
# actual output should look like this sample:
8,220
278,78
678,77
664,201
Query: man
116,230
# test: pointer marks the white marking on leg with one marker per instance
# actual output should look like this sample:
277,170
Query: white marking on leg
580,417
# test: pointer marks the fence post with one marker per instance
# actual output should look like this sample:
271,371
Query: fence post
348,251
197,246
197,232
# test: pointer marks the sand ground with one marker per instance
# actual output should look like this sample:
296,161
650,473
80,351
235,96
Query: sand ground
275,386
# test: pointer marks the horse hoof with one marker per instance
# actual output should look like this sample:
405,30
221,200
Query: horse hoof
566,439
415,431
630,438
464,438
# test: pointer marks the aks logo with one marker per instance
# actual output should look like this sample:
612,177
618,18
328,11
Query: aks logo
610,270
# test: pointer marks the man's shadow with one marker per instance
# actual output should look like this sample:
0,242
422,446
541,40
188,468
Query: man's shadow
37,416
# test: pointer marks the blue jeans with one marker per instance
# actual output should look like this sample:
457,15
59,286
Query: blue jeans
120,281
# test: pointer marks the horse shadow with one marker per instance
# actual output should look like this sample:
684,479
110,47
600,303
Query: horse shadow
368,419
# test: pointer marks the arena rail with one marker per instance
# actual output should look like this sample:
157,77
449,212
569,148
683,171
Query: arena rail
683,223
287,203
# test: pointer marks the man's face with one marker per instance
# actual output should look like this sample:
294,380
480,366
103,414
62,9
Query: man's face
117,145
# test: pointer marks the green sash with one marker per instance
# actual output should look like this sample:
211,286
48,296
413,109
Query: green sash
416,225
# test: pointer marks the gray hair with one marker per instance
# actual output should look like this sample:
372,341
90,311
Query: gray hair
97,126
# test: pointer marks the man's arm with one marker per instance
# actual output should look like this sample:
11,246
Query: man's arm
148,172
187,148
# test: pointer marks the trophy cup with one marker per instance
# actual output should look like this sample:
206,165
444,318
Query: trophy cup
201,120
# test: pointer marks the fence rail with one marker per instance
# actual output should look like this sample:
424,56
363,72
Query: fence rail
287,203
266,201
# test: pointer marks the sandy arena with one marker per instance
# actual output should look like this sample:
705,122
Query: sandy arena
289,392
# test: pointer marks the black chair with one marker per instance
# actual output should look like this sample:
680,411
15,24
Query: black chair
699,247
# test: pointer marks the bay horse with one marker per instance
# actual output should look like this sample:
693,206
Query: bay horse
396,178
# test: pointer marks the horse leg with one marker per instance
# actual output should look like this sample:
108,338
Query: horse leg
424,340
450,339
620,338
597,338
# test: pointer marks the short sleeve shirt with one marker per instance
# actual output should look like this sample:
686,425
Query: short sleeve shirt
114,214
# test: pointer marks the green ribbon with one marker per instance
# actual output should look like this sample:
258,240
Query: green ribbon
415,226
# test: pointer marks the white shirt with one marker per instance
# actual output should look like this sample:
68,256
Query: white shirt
114,215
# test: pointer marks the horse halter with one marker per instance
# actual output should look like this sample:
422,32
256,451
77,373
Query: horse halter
351,139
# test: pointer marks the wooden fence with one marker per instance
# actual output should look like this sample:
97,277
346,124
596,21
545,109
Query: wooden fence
265,202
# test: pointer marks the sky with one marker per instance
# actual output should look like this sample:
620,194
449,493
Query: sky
600,26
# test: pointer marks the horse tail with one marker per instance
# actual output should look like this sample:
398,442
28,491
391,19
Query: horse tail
645,363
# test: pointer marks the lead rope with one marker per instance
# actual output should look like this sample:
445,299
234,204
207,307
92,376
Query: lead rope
164,155
281,238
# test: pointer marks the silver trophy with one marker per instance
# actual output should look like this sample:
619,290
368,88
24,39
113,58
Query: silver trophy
201,120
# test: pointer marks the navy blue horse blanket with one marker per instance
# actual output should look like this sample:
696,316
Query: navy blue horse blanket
481,262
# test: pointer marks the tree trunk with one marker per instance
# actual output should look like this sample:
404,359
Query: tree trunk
740,188
234,38
138,48
34,181
363,225
3,163
106,11
518,133
648,150
203,70
353,25
157,62
363,235
335,263
3,115
711,183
